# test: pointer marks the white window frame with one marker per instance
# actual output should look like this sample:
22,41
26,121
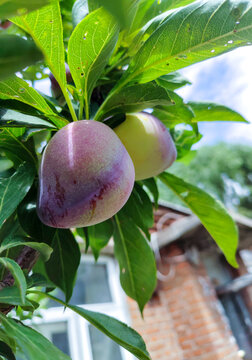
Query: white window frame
77,327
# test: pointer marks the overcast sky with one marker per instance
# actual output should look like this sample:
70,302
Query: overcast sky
226,79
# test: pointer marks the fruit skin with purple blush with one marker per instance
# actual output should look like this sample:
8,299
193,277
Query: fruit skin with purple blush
86,176
148,143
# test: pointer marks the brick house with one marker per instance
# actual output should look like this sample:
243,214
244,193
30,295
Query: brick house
198,311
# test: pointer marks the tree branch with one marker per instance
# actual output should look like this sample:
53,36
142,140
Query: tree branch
26,260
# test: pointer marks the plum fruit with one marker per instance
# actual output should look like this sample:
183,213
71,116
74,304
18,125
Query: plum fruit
86,176
55,88
148,143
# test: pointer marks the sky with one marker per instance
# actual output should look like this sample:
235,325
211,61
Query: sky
226,79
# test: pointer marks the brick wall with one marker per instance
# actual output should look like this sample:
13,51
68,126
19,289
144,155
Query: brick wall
184,319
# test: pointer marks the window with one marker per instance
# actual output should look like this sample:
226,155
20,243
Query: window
98,289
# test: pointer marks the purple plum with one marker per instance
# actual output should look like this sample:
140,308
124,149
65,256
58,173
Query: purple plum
86,176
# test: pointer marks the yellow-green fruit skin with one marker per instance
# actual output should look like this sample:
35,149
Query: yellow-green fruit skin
148,143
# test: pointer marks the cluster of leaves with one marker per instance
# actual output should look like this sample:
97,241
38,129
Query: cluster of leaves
123,56
228,175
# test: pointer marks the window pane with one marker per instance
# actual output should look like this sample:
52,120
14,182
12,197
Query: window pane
91,287
102,346
60,340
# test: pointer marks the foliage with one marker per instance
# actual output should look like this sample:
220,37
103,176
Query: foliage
227,175
123,56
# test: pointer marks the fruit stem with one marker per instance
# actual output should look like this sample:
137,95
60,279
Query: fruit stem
86,107
69,103
81,109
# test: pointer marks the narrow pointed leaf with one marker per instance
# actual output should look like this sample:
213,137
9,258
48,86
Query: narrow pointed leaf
173,115
46,29
205,111
190,34
149,9
136,260
139,208
16,7
173,81
17,274
80,11
6,351
11,118
152,187
90,47
11,295
33,344
15,149
16,53
120,9
14,189
119,332
64,261
136,98
99,236
16,88
211,213
44,249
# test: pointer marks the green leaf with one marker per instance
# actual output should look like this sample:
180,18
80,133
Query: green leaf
80,11
139,209
16,53
191,34
15,149
120,9
45,27
6,351
99,236
64,261
211,213
11,295
17,274
149,9
119,332
173,81
8,340
136,260
173,115
17,7
29,220
16,88
10,118
44,249
205,111
184,140
90,47
136,98
151,185
33,344
14,189
37,279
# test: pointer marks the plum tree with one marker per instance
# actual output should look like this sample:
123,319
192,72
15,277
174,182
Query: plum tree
148,143
86,176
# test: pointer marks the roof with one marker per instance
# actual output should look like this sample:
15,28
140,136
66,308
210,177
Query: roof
186,224
174,222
